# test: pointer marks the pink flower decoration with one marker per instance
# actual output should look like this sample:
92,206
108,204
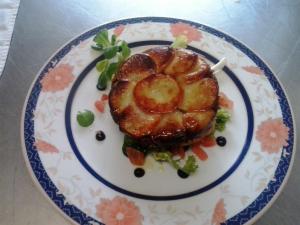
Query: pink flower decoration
272,135
119,211
225,102
219,215
58,78
253,69
187,30
118,30
45,147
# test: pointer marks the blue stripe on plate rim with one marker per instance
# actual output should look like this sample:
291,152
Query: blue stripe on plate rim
249,214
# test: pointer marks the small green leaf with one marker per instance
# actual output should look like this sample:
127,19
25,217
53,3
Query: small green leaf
166,157
222,117
102,39
102,65
162,156
113,39
180,42
125,50
112,69
111,52
190,165
102,81
85,118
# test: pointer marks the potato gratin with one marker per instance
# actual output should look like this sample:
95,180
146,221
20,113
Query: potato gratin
164,97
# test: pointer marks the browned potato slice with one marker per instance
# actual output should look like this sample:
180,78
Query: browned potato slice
199,71
196,121
200,95
120,97
170,127
136,68
157,94
161,56
182,62
136,123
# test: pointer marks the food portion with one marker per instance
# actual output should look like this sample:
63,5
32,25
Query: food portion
164,97
165,100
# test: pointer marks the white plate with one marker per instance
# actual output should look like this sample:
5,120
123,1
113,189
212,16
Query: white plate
92,182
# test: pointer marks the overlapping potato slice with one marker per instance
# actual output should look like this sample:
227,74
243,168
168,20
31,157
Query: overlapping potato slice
196,121
199,71
199,95
170,127
136,68
157,94
120,97
137,123
161,56
182,62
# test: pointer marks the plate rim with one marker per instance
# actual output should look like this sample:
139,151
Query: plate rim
149,19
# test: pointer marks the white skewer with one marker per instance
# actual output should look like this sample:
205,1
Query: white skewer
219,66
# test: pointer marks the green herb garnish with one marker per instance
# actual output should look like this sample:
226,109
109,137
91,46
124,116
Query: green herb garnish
223,116
85,118
115,53
180,42
190,165
166,157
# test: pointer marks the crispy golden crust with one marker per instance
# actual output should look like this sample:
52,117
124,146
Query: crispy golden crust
136,68
197,121
164,97
136,123
199,95
170,129
161,56
182,62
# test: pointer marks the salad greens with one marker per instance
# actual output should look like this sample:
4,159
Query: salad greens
222,117
166,157
181,41
115,52
85,118
189,167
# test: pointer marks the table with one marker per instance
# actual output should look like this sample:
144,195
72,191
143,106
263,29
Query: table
270,28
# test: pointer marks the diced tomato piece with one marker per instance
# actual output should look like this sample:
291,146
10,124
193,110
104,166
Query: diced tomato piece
208,141
179,151
100,105
136,157
199,152
104,97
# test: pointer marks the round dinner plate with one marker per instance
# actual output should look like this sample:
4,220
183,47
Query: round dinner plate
92,182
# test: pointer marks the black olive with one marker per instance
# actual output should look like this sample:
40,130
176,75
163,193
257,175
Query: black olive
139,172
100,136
101,87
221,141
182,174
